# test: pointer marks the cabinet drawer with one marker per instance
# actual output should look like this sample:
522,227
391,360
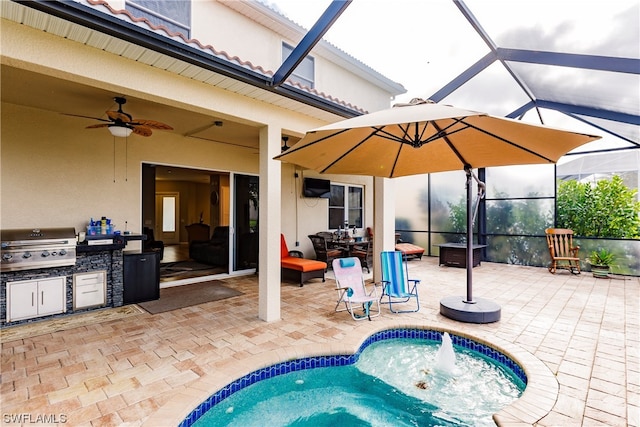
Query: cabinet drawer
89,278
89,289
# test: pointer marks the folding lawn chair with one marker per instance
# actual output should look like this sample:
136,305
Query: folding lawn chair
352,291
396,285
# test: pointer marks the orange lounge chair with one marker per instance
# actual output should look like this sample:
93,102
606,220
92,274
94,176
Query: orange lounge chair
296,267
409,250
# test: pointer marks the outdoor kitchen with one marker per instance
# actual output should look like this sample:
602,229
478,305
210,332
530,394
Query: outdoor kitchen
49,273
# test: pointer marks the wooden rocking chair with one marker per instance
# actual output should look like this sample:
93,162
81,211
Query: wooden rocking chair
563,253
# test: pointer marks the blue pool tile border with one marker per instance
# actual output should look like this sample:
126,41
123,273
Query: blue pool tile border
343,360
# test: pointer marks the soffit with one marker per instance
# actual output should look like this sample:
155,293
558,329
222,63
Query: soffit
80,34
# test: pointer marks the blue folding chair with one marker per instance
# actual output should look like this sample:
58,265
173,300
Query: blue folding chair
396,285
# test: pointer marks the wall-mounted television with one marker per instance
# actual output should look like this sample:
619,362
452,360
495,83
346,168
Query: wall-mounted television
315,187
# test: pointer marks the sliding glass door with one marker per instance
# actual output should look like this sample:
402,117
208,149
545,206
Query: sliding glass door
245,222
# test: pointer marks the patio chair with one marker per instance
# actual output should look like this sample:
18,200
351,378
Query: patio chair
323,252
364,252
562,251
327,235
294,265
409,250
396,285
352,291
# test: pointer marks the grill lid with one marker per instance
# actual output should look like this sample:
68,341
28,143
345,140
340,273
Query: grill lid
42,235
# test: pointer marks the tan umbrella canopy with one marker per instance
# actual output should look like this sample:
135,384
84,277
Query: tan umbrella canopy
423,137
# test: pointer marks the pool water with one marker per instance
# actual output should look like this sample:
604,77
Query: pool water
393,383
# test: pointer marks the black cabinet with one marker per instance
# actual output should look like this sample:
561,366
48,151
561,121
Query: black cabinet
141,277
455,254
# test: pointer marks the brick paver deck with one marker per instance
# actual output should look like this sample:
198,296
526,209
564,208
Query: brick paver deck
577,337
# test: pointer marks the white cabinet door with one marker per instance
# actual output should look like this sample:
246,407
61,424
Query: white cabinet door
51,296
22,298
33,298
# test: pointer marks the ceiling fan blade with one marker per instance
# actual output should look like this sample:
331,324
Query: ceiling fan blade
152,124
85,117
117,115
101,125
142,130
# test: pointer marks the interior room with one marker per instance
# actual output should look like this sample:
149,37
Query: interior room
190,211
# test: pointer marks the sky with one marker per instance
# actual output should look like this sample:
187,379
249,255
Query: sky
424,44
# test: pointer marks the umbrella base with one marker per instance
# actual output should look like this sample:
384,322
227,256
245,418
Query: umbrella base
479,311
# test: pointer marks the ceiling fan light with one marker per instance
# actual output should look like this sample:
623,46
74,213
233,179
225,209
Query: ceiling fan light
120,131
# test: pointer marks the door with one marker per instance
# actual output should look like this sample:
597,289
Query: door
22,302
51,296
32,298
245,222
167,218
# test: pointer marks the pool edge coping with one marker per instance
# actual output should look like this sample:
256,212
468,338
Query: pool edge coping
536,401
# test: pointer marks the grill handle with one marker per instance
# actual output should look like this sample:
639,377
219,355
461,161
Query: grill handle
8,245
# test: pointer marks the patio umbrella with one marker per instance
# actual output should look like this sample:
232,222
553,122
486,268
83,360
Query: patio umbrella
424,137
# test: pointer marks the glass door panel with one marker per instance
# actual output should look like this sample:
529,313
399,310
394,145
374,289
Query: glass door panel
167,214
245,222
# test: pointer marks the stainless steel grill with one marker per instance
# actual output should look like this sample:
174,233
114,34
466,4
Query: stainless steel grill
26,249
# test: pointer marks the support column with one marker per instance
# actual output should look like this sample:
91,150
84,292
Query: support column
384,221
269,222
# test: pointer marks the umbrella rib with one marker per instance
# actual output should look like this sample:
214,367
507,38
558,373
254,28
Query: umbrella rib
380,131
395,161
513,144
445,136
346,153
416,141
442,132
294,148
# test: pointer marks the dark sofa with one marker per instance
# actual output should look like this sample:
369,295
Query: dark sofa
214,251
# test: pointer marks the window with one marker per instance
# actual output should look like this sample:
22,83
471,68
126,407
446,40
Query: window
173,14
168,214
346,204
304,72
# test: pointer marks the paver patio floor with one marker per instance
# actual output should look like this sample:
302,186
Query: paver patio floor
582,334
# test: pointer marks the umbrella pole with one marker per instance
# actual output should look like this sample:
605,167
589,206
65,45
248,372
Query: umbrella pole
469,253
467,309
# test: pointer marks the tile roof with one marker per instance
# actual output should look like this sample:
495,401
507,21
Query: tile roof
126,15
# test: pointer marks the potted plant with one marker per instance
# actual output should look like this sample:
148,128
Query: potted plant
601,262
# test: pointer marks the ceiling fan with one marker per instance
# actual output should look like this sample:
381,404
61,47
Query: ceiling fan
122,124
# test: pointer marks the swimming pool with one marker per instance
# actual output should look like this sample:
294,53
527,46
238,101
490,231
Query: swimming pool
350,390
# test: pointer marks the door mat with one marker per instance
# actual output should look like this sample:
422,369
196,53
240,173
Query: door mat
43,327
187,269
187,295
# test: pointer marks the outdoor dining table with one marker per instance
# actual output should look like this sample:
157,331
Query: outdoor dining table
346,245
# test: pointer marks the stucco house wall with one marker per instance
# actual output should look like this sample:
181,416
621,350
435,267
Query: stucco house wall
57,173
